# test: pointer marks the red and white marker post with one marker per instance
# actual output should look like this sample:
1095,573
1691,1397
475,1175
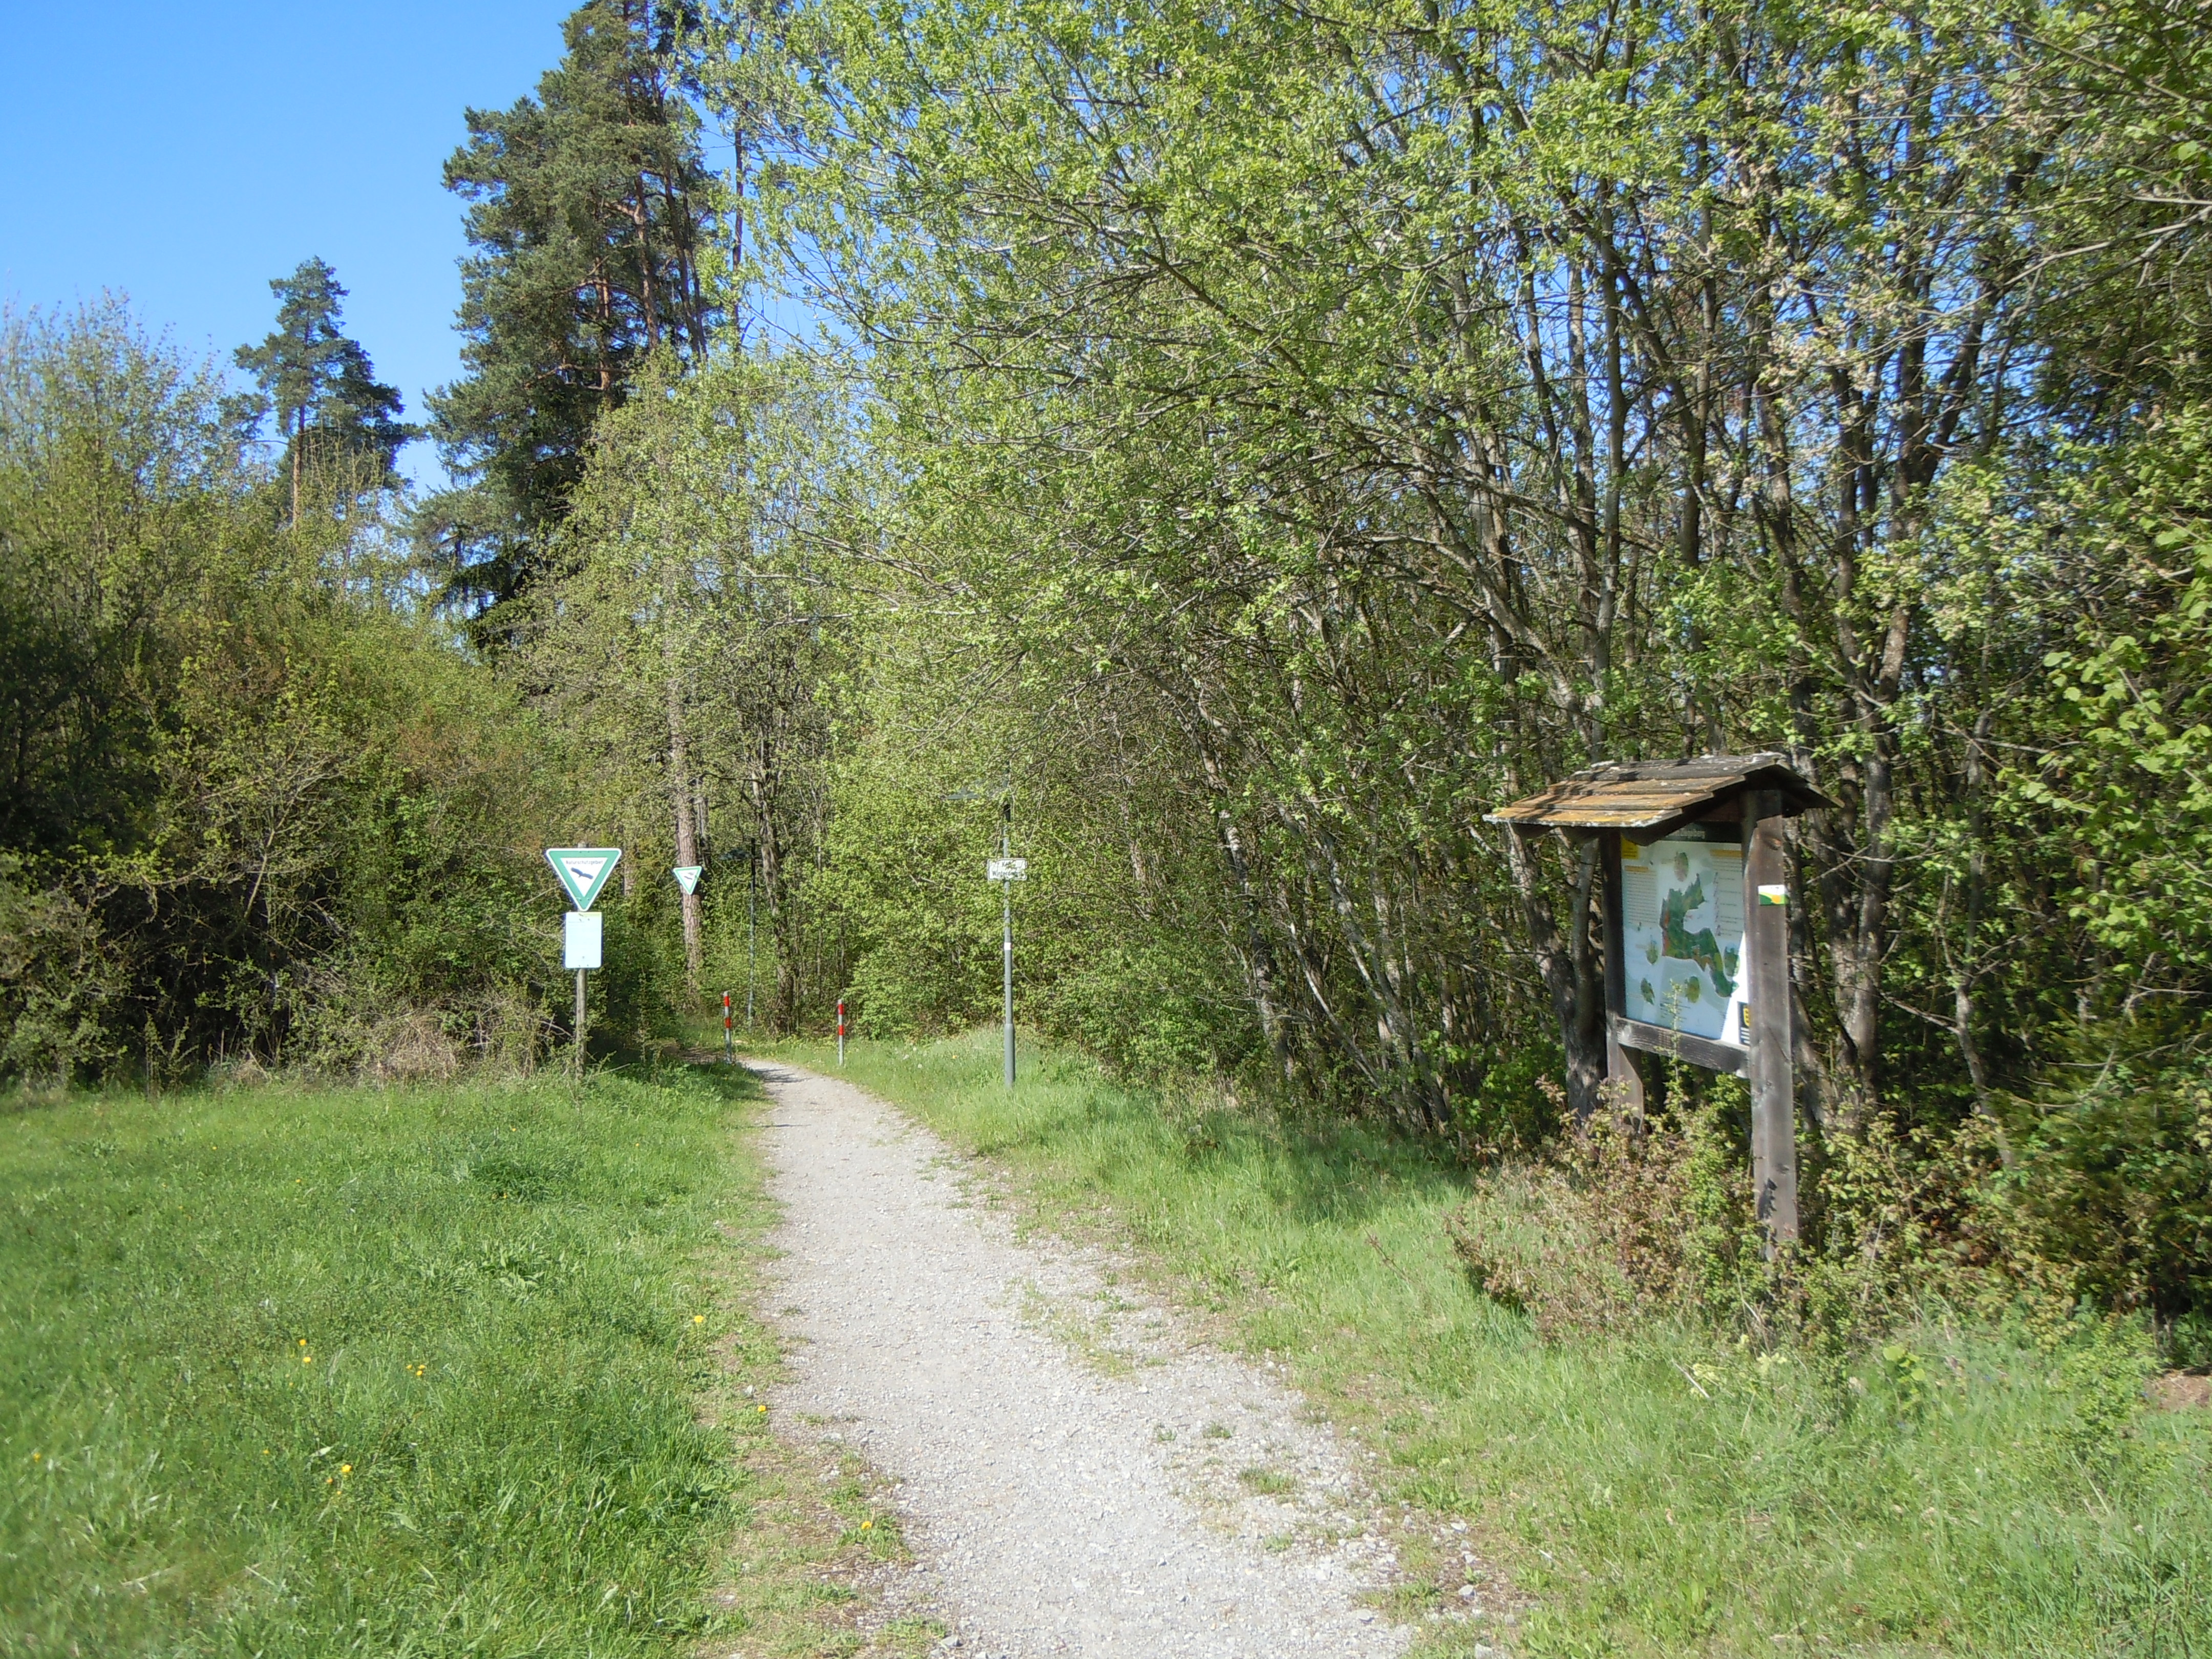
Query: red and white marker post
841,1030
729,1030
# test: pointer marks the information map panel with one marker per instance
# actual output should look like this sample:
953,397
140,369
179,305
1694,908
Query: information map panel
1682,923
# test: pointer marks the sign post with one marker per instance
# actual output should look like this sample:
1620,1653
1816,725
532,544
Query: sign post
1006,872
729,1034
841,1031
583,872
1697,931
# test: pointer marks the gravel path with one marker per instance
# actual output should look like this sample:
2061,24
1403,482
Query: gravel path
1073,1476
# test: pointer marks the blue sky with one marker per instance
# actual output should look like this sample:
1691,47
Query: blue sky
185,153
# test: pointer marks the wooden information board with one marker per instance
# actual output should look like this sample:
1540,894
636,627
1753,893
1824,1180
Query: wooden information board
1697,931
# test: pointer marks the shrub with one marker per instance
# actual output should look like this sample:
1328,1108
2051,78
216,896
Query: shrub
58,978
2114,1177
1628,1220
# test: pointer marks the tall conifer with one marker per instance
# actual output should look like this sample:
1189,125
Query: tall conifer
587,205
322,387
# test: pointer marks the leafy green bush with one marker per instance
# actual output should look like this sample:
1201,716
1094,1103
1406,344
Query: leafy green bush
258,808
2114,1177
58,980
1149,1009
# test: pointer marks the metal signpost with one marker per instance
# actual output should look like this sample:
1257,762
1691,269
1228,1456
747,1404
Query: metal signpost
1008,871
583,872
729,1033
841,1031
1696,931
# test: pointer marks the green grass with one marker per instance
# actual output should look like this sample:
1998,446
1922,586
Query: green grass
1664,1494
425,1371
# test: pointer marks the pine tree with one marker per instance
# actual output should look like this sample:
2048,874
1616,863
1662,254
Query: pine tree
322,387
587,202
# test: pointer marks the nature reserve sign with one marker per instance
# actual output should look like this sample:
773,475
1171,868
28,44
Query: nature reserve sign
583,869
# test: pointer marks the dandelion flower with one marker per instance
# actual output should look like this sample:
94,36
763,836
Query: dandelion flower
35,1456
307,1359
760,1408
698,1319
345,1468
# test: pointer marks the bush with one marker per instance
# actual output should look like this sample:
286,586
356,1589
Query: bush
1628,1220
2114,1177
58,981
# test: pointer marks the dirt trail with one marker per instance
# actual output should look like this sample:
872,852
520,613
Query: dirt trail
1073,1476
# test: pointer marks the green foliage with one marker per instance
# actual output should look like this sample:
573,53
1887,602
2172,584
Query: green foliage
259,807
57,982
587,202
2125,767
341,427
2114,1178
121,485
688,654
638,999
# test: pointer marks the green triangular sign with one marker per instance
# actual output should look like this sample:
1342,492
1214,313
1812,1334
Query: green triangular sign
687,878
583,869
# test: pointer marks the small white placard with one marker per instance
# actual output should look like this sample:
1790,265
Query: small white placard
583,940
1008,869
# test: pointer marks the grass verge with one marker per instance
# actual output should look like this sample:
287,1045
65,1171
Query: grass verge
1959,1492
429,1371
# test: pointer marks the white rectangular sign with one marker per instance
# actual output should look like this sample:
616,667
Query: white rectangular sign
1681,928
1008,869
585,933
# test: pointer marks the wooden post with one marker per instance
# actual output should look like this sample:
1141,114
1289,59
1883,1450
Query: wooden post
580,1022
1766,977
1625,1084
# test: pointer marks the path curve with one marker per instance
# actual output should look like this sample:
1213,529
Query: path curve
1148,1499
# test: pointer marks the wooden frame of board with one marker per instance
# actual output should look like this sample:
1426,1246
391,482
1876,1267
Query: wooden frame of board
1651,801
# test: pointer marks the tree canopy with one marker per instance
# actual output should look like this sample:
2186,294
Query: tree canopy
335,416
586,206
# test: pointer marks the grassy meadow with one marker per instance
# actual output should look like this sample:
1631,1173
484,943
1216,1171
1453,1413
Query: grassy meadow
1959,1492
454,1370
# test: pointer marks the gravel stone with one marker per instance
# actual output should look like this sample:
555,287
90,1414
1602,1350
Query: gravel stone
1074,1473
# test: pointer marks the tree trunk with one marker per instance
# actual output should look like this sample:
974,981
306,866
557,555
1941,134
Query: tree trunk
687,838
1570,965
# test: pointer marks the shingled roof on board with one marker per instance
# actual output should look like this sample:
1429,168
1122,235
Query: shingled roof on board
1648,794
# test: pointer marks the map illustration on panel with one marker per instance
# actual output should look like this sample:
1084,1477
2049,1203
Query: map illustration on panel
1681,902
